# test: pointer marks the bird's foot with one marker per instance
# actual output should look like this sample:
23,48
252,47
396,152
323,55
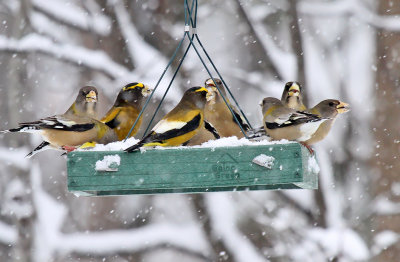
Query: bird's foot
308,147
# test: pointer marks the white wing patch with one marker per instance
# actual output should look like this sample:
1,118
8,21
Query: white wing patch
68,123
165,125
308,129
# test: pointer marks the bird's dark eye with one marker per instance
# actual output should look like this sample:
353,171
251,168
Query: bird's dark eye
331,104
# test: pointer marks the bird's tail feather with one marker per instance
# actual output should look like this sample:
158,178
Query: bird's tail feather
43,146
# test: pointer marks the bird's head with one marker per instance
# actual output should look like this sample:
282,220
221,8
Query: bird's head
87,94
197,95
293,89
212,87
133,93
269,104
332,107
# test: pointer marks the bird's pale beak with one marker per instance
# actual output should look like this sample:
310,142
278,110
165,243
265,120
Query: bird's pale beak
210,96
91,96
210,83
294,90
343,107
146,91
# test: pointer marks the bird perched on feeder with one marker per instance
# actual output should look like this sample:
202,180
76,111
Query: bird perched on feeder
281,122
218,114
292,96
180,124
66,132
73,128
330,109
123,114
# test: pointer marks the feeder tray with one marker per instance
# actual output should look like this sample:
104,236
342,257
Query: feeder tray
191,170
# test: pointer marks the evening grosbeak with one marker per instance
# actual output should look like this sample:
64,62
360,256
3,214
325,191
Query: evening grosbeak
123,114
329,108
292,96
180,124
71,129
68,131
218,114
281,122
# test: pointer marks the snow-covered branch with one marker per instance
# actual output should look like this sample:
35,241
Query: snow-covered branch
223,222
354,8
8,234
74,16
185,236
94,59
15,157
283,62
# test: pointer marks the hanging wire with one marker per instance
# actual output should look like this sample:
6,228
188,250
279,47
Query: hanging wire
159,80
194,22
189,20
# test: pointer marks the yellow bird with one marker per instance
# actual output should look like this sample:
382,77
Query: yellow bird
181,124
123,114
218,114
330,109
292,96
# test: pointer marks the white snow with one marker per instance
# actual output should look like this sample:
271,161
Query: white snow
313,166
385,239
384,206
232,141
108,163
75,16
8,234
223,222
16,202
95,59
15,157
264,160
336,241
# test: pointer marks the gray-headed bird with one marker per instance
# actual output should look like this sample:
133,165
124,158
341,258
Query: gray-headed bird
281,122
330,109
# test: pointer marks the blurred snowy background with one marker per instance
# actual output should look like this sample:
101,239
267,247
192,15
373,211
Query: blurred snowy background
344,49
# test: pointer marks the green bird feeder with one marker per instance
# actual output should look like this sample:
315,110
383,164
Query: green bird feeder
192,169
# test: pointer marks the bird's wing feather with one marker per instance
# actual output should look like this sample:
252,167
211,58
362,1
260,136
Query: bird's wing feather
295,118
171,130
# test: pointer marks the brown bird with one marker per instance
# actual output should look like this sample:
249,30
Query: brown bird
181,124
218,114
66,132
83,106
330,109
281,122
292,96
123,114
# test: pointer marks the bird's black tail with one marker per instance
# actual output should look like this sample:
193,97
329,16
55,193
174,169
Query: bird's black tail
38,149
208,126
135,146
